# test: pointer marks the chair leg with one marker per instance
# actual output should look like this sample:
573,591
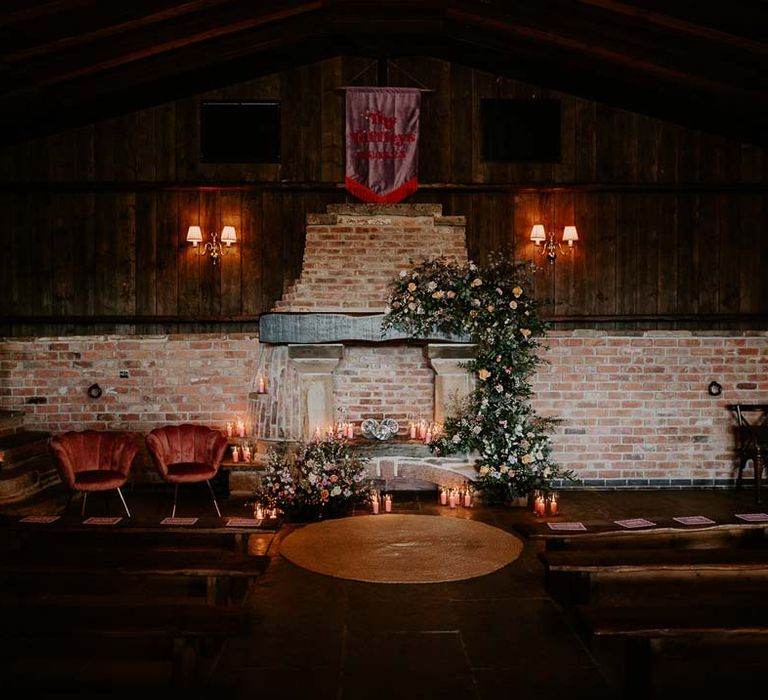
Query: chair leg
82,509
213,496
175,498
120,493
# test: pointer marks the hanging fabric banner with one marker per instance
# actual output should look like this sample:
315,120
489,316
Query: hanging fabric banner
382,143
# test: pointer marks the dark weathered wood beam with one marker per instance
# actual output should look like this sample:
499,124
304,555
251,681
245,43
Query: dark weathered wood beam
512,30
677,24
110,30
59,71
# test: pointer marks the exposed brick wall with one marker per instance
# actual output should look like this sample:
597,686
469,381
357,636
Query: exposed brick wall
172,379
636,407
373,382
352,253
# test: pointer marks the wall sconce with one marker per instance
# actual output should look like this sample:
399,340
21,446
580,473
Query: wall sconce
549,246
213,247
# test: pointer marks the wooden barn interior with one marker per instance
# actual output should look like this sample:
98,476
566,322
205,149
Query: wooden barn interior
111,321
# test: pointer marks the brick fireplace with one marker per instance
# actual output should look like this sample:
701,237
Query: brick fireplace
325,357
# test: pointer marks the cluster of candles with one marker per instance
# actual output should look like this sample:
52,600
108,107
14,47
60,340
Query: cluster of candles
243,451
424,430
260,512
376,502
344,430
546,503
456,497
236,428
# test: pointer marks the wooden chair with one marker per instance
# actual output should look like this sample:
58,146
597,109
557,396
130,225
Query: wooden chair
93,460
186,454
751,440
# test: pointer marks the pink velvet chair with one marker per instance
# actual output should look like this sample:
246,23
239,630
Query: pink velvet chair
93,460
185,454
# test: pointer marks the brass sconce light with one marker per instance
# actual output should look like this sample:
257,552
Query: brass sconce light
216,247
550,248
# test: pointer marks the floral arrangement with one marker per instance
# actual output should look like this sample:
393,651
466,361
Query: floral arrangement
313,480
493,307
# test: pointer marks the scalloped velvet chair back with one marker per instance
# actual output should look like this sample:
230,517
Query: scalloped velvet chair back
187,454
93,460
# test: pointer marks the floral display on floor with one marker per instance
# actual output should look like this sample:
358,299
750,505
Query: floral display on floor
313,480
492,306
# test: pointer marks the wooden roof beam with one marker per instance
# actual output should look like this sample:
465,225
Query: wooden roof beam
679,25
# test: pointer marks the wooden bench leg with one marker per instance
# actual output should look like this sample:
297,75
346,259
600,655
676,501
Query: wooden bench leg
185,653
639,668
759,466
217,590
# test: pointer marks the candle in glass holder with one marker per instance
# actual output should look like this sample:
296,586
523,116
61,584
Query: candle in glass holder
241,427
235,454
246,453
554,503
539,504
230,429
258,512
387,503
443,497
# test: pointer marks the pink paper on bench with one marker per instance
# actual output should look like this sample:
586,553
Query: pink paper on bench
635,522
694,520
569,527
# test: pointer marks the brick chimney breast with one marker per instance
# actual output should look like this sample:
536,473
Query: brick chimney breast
354,250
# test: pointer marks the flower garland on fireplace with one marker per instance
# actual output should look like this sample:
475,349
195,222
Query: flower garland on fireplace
491,305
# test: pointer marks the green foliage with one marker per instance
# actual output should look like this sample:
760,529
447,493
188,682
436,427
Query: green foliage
316,479
493,307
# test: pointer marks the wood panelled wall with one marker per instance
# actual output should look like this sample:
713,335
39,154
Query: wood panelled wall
672,221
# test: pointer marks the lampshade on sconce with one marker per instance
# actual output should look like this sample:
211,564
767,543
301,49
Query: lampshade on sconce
214,247
550,248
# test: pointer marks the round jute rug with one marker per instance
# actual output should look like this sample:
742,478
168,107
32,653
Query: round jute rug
395,548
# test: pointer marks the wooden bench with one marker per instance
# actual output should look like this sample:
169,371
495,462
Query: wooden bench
71,527
638,627
604,534
189,628
569,573
219,568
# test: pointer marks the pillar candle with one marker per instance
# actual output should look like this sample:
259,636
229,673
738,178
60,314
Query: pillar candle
229,429
467,499
375,504
413,430
259,512
235,454
539,505
452,499
241,427
553,503
262,385
317,433
443,497
428,436
351,431
246,453
388,503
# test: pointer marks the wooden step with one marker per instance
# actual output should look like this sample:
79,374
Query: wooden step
23,481
17,447
11,422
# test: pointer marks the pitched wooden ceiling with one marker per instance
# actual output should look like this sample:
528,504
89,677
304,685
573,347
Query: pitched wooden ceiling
701,64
